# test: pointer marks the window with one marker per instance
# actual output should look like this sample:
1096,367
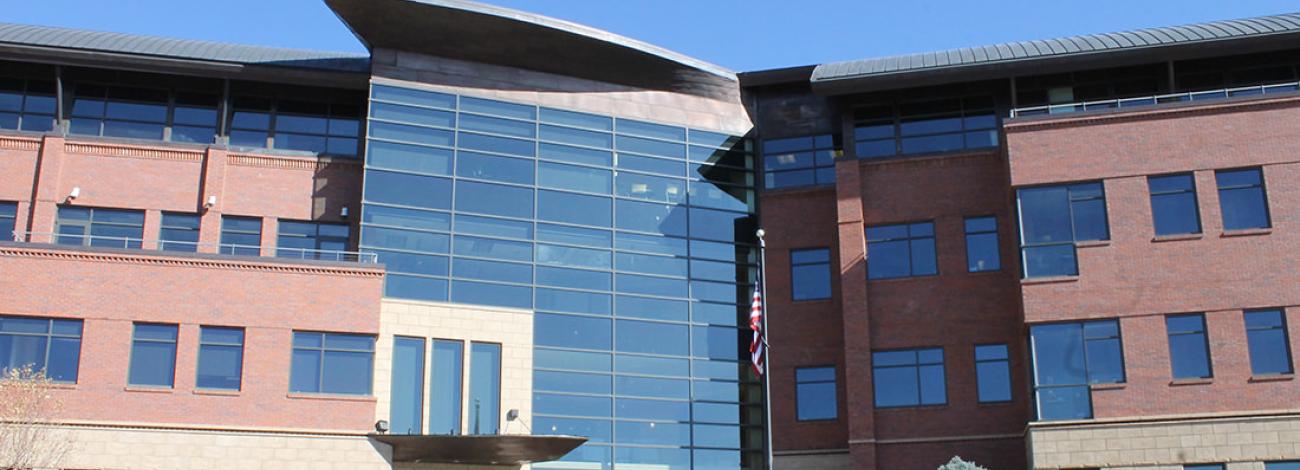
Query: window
902,250
194,118
910,377
1204,466
1189,346
153,355
46,344
115,228
27,104
446,376
1173,204
1242,199
179,232
332,363
8,213
982,253
221,358
314,126
993,373
815,393
1068,357
1270,348
810,274
1053,219
241,236
921,127
1282,465
143,113
312,240
485,387
800,161
407,408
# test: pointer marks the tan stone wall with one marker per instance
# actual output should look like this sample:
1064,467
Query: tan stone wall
811,461
1243,441
511,328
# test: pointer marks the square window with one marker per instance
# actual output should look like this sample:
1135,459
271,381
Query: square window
902,250
810,274
909,377
815,393
1242,199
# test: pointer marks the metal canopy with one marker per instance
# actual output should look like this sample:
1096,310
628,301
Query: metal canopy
463,30
480,449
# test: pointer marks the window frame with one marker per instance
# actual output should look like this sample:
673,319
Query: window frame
321,367
87,237
834,391
1088,382
273,113
163,226
1070,201
474,418
317,239
962,114
821,144
10,221
237,249
243,341
911,268
1011,392
1263,194
997,242
794,279
1286,340
22,113
919,383
1196,203
49,336
175,344
1205,341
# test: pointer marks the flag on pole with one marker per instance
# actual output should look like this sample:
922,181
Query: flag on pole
756,324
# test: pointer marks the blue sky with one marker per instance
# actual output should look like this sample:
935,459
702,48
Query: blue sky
738,34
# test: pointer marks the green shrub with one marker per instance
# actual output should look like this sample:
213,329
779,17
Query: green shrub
958,464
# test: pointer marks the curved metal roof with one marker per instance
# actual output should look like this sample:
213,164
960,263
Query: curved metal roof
98,41
1059,48
471,31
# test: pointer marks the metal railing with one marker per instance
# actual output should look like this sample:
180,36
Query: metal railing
193,247
1153,100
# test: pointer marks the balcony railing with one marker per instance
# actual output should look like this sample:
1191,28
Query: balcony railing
1154,100
193,247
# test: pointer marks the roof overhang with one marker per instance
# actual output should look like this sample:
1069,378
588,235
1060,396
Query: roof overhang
479,449
469,31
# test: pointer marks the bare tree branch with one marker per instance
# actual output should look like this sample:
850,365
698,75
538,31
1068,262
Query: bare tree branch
27,410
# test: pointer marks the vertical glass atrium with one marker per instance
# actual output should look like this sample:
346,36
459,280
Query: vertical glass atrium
631,241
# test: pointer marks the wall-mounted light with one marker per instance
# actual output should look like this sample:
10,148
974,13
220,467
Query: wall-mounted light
343,213
212,201
381,426
75,193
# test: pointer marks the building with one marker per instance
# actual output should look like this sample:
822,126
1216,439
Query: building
471,242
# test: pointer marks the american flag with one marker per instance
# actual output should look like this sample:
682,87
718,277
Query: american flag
756,324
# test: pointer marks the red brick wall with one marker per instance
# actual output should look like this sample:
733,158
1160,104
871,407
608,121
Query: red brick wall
1140,279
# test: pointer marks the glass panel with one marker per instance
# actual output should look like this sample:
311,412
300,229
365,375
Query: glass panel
570,331
651,338
445,387
412,96
406,412
1058,354
494,168
1061,403
485,388
494,199
408,190
574,178
408,157
574,208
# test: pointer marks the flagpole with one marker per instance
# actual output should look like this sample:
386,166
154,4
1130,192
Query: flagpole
767,349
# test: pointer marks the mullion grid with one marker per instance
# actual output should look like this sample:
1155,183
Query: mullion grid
222,344
1281,327
175,344
1086,383
896,121
918,365
1088,341
22,113
612,230
1005,360
1202,332
322,349
49,336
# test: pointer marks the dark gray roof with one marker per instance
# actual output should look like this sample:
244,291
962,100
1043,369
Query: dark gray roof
207,51
1025,51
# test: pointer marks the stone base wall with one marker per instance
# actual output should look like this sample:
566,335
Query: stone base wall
813,461
1242,442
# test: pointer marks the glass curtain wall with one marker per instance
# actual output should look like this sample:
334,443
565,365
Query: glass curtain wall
633,242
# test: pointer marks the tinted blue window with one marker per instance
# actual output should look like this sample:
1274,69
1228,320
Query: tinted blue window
49,345
446,370
494,144
1067,358
405,218
576,119
417,288
411,134
576,136
651,264
647,285
572,256
571,331
406,239
153,355
652,387
651,188
649,217
494,199
574,178
484,388
491,167
651,244
646,129
221,358
646,307
594,430
313,240
1242,199
573,382
572,405
993,373
574,235
508,127
334,363
912,377
417,97
412,114
650,147
1210,466
574,208
465,268
1052,219
1270,346
494,227
113,228
497,108
660,166
567,153
1173,204
1282,465
708,194
1189,348
982,253
574,278
179,232
406,413
8,212
651,338
575,302
722,226
407,157
718,342
483,293
652,365
799,161
635,408
572,360
810,274
903,250
408,190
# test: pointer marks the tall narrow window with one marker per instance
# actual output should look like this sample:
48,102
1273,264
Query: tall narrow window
221,358
312,240
49,345
910,377
446,377
1270,348
903,250
993,373
1068,357
113,228
485,388
8,213
335,363
179,232
153,355
1242,199
407,412
815,393
1189,346
241,236
1053,219
1173,204
982,253
810,274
